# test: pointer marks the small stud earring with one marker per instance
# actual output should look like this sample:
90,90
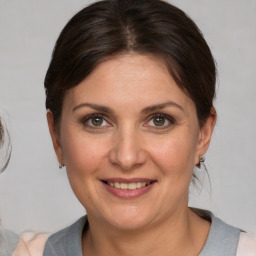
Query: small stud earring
201,161
61,165
199,175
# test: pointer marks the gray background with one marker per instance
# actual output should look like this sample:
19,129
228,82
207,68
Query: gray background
35,194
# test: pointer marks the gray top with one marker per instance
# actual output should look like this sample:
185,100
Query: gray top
8,242
222,239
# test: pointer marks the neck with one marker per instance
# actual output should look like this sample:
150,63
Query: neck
176,235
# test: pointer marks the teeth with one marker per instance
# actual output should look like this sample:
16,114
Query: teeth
130,186
138,185
117,185
123,185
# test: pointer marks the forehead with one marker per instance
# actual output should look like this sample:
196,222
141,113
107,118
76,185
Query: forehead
131,79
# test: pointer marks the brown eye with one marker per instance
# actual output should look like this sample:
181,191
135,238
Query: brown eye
97,121
159,121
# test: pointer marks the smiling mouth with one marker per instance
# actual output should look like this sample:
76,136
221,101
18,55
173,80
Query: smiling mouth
129,185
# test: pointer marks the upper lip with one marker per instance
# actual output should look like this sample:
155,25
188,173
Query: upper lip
131,180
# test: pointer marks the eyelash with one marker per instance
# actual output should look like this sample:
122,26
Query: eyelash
167,118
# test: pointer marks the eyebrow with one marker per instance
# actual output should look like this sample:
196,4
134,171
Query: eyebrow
105,109
161,106
94,106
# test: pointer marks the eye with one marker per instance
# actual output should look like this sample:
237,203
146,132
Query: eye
95,121
160,121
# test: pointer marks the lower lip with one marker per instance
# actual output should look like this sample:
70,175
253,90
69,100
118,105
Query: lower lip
128,193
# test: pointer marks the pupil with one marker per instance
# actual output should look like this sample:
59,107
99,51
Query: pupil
97,121
159,121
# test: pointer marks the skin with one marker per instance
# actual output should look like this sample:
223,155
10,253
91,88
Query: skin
133,91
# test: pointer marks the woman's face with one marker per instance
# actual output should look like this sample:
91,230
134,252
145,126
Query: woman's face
130,138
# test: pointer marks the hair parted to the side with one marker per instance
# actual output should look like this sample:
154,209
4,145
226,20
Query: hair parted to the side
152,27
4,141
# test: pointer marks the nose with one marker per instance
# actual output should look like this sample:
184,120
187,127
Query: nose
127,152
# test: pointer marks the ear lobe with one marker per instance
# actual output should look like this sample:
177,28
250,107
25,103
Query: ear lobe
205,135
55,137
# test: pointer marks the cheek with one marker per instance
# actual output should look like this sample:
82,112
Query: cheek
83,154
174,154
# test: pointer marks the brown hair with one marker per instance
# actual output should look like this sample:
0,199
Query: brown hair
111,27
4,135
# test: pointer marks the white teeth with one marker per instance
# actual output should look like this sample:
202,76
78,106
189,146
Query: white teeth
117,185
138,185
130,186
123,185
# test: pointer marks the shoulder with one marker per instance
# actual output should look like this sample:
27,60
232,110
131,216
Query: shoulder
69,232
61,243
222,238
66,241
31,244
247,244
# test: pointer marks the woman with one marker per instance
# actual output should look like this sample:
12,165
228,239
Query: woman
129,94
8,240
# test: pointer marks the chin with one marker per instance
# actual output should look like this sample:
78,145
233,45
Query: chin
130,219
129,224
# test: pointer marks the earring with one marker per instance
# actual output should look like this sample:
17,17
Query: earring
199,175
201,162
61,165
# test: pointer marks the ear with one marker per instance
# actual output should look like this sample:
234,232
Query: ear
55,137
205,135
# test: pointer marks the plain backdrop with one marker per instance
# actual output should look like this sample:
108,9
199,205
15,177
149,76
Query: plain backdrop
35,194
